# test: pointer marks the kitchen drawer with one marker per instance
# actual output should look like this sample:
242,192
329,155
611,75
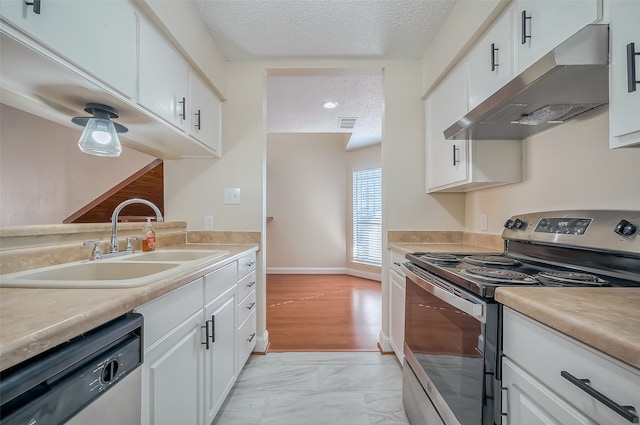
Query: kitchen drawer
546,353
219,281
395,260
246,339
246,285
167,312
246,306
246,265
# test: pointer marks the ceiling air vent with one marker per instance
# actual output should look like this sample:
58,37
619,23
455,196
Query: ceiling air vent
347,123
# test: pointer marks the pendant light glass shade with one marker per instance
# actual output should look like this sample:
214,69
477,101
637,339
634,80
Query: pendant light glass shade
100,138
100,135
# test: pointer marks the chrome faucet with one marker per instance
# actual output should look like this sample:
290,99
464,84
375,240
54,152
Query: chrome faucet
116,212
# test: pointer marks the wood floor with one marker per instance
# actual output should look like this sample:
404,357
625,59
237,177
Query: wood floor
323,313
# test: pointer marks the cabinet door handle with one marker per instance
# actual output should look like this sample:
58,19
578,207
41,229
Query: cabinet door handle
525,18
503,400
249,285
213,328
183,103
626,412
207,336
631,67
456,159
35,4
494,64
253,335
198,122
250,306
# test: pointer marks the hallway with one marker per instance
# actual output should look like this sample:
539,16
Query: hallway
323,313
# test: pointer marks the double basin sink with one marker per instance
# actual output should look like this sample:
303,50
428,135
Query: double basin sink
136,269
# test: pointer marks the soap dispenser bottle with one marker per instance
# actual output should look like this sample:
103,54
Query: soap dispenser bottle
148,237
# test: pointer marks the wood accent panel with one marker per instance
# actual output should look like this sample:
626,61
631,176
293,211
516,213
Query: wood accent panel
323,313
146,183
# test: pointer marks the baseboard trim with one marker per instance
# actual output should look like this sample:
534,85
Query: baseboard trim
262,344
325,270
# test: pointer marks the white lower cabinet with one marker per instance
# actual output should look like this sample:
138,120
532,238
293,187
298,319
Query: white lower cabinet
196,340
397,282
246,309
550,378
531,403
220,328
172,372
220,356
172,377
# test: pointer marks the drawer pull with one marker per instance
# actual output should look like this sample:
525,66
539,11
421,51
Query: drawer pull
207,334
35,4
631,67
250,263
627,412
249,285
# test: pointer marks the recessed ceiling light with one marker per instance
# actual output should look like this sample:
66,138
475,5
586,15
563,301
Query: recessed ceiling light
330,105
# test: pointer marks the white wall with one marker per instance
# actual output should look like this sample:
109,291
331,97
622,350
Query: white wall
44,177
307,198
568,167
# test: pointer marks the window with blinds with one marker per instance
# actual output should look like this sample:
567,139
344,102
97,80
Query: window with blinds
367,216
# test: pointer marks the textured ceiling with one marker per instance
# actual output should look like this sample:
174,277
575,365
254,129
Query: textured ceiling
324,29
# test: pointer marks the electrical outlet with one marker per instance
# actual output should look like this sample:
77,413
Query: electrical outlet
484,222
208,222
232,195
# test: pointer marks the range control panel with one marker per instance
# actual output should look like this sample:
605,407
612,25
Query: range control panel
567,226
610,230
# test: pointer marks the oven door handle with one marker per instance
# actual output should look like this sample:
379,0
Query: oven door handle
455,298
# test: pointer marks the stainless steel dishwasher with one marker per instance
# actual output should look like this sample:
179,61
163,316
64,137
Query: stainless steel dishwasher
91,379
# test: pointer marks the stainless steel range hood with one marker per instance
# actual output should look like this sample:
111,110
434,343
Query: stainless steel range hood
566,82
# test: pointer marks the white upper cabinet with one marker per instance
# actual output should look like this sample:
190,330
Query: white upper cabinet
163,79
491,60
205,114
97,36
464,165
541,25
446,159
624,73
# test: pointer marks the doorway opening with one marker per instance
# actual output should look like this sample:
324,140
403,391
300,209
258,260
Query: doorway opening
312,154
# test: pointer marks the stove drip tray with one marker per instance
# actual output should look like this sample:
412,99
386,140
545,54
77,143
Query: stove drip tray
491,260
566,278
490,275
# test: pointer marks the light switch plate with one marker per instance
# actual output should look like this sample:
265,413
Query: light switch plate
208,222
232,195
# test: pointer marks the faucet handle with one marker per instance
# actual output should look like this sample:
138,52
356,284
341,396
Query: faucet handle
96,253
129,247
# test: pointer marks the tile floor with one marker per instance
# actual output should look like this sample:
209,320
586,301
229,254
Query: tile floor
346,388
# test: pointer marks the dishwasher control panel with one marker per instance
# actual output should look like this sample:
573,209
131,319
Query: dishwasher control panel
57,384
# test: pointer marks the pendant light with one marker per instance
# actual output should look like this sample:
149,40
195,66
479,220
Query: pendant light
100,135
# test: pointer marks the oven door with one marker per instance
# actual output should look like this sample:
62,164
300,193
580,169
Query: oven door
445,347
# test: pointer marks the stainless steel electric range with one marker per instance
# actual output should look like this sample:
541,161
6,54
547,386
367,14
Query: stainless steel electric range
453,325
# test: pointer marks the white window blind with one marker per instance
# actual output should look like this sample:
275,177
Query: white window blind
367,216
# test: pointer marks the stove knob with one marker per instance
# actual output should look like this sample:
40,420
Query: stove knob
519,224
625,228
508,224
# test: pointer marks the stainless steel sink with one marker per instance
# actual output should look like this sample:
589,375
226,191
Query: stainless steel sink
180,255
